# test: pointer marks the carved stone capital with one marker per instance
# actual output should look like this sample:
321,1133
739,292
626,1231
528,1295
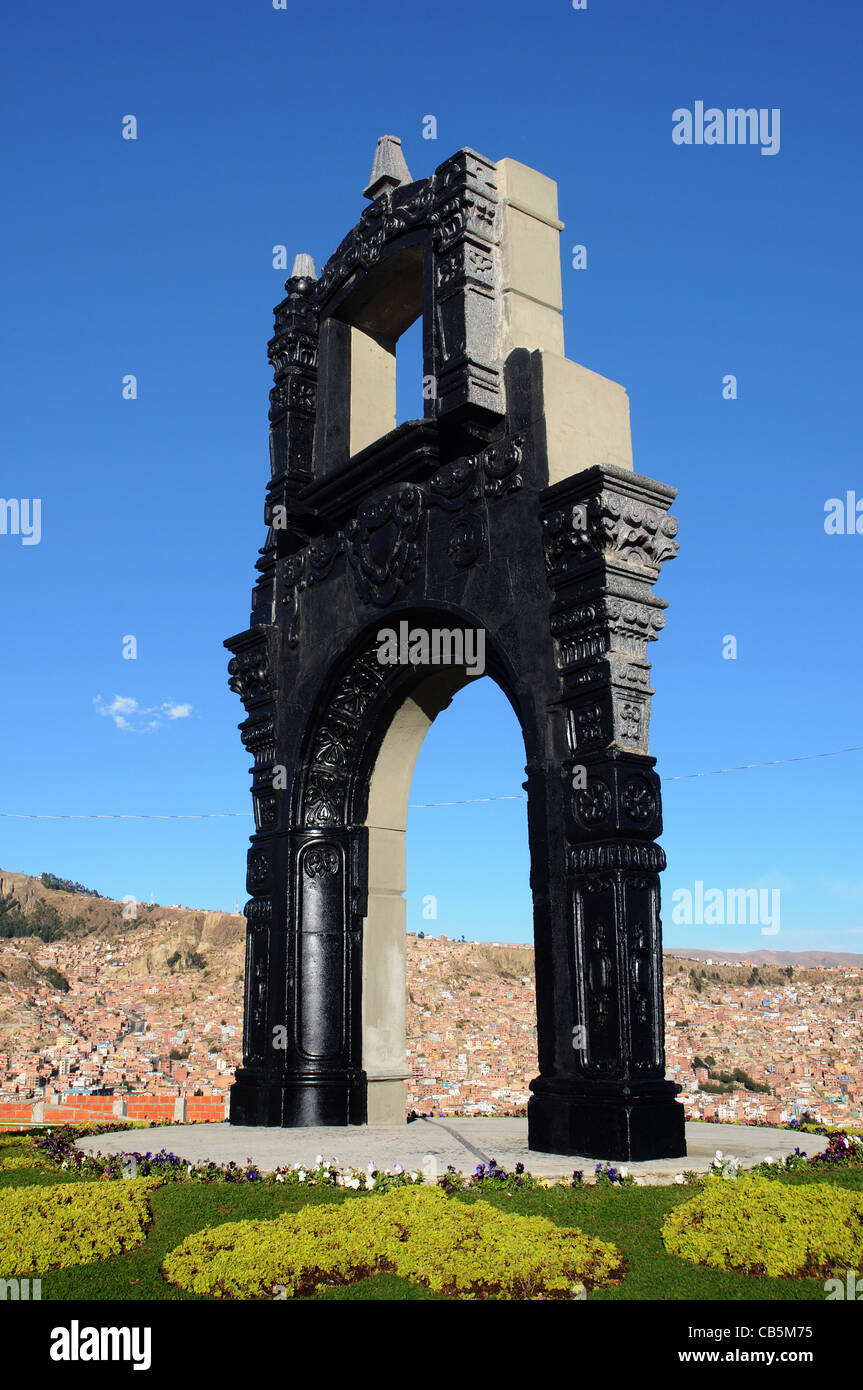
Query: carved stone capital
608,512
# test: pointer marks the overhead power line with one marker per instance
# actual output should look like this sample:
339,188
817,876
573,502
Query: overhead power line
773,762
414,805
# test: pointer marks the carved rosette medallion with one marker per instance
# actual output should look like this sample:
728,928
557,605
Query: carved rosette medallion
638,800
592,804
259,869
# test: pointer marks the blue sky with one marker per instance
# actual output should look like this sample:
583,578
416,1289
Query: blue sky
154,257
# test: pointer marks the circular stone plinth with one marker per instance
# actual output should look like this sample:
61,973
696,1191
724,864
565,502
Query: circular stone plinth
432,1145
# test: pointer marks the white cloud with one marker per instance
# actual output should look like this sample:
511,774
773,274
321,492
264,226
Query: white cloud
139,719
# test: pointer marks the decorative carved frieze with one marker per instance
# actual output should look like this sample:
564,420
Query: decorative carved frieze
259,738
383,542
586,629
339,731
448,210
616,854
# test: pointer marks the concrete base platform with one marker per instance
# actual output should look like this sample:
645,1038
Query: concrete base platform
430,1145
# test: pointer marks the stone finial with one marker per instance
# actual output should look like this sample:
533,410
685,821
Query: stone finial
389,169
304,265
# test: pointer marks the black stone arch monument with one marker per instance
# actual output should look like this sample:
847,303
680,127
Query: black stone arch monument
509,521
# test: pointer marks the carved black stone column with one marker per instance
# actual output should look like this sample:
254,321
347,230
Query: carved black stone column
464,306
258,1097
251,671
606,535
293,353
324,1082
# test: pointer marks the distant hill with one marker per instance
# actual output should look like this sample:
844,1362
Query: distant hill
801,960
179,935
157,939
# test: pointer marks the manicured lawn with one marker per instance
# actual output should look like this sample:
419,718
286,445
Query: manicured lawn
629,1217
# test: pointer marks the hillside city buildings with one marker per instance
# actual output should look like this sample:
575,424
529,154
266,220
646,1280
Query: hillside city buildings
174,1035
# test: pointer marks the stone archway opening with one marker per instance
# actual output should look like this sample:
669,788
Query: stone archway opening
385,925
358,355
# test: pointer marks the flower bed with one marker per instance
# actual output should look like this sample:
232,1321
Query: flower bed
59,1146
459,1249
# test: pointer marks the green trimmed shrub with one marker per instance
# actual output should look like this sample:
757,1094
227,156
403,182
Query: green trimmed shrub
460,1249
13,1161
17,1152
756,1225
63,1224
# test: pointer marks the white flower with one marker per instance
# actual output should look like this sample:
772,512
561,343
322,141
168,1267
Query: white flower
370,1182
415,1177
301,1175
354,1183
679,1178
719,1154
397,1168
768,1159
624,1172
280,1177
340,1181
319,1160
371,1167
